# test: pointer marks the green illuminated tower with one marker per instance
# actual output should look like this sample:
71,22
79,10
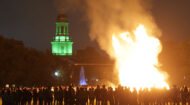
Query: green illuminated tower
62,43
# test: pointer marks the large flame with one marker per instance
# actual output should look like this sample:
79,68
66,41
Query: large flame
136,57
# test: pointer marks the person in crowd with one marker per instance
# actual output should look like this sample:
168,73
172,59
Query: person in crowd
175,95
91,96
103,94
184,95
98,95
35,96
71,95
40,96
110,95
60,96
56,96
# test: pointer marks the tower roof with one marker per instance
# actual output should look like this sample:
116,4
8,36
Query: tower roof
61,18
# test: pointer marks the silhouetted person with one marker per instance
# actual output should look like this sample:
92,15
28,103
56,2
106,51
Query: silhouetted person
71,95
175,95
40,97
111,95
35,96
184,95
133,97
103,94
19,96
3,96
24,96
66,97
29,95
82,96
56,96
77,96
48,96
91,96
98,95
60,95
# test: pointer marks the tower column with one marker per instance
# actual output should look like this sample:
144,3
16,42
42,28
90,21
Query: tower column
59,29
64,28
67,28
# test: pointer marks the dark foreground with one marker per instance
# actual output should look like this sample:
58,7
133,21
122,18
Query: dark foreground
94,96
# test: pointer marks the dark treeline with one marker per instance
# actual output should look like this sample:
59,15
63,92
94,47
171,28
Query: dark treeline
92,55
26,66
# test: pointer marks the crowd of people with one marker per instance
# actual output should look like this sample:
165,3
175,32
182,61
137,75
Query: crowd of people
99,95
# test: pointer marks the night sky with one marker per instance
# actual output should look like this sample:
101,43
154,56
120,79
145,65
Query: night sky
33,22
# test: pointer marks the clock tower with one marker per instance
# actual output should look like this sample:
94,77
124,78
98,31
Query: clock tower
62,44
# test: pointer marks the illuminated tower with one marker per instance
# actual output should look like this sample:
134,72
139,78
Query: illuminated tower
62,43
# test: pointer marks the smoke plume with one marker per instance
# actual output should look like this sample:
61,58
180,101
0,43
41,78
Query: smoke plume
107,17
115,16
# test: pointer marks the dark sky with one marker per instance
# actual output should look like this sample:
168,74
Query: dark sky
33,21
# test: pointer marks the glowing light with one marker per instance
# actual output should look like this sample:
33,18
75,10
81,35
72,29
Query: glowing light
56,74
7,85
52,89
136,59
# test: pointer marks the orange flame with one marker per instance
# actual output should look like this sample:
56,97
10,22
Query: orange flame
136,59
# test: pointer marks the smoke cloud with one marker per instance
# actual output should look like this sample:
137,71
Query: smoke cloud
107,17
115,16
